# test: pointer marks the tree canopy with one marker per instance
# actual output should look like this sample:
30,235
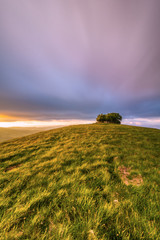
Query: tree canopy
109,118
101,118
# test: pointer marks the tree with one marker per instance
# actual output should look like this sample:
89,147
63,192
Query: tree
113,118
101,117
109,118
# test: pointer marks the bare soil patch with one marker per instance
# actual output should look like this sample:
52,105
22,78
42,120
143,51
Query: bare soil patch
125,174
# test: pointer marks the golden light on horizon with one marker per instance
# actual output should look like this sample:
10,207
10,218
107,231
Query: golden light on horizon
42,123
6,118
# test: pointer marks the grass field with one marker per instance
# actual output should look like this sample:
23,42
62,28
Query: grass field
92,182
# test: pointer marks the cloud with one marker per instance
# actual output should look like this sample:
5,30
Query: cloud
145,122
74,59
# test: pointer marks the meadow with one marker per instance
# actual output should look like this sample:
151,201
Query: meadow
83,182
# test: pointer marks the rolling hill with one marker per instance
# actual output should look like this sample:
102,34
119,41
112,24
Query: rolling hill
96,181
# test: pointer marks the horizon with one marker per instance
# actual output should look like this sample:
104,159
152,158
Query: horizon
66,62
139,122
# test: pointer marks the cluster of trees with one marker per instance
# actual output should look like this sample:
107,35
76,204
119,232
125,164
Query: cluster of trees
109,118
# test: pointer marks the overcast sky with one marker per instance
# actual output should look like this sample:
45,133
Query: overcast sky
73,59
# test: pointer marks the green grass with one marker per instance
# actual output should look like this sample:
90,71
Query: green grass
65,184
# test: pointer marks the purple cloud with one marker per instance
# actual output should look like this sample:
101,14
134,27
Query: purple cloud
76,58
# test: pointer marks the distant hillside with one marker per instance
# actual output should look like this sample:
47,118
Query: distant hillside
95,181
14,132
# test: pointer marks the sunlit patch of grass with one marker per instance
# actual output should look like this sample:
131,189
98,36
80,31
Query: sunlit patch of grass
65,184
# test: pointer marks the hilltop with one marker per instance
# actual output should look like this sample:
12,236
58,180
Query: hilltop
97,181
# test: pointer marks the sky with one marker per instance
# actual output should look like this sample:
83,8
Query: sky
64,61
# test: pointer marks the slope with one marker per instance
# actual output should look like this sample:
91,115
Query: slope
95,181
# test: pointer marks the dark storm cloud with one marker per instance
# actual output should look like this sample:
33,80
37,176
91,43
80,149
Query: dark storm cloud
76,58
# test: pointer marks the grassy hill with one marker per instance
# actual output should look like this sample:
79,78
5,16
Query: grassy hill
15,132
96,181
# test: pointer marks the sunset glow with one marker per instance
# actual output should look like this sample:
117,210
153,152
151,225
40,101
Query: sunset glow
4,117
76,59
42,123
146,122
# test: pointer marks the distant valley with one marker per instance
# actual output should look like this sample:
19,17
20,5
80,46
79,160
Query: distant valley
15,132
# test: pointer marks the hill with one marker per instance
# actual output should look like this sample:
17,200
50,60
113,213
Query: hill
95,181
15,132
